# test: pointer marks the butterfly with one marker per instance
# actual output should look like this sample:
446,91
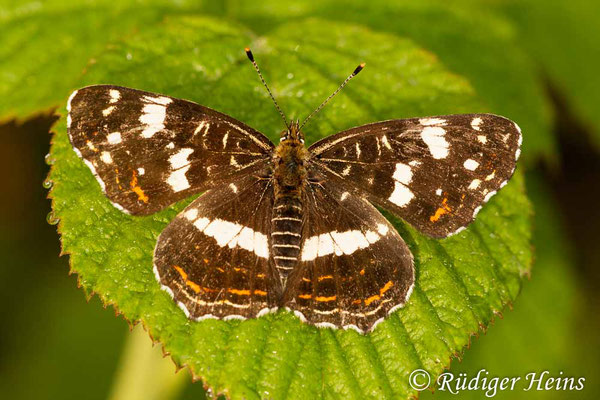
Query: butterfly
285,226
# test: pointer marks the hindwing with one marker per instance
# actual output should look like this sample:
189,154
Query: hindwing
434,172
214,257
148,151
354,268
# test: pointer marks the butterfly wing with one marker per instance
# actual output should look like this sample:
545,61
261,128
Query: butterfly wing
213,258
435,172
147,151
354,268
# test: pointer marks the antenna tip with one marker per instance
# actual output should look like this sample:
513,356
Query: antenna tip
249,54
359,68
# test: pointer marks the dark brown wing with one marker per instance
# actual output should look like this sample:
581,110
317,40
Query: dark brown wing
434,172
354,268
147,150
214,257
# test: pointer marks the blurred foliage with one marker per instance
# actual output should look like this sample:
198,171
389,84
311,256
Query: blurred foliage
509,51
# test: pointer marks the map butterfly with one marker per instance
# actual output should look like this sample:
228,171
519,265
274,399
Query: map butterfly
285,226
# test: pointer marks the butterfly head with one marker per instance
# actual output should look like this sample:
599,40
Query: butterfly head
293,133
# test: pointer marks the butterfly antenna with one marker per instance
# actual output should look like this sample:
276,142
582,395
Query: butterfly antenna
251,57
332,95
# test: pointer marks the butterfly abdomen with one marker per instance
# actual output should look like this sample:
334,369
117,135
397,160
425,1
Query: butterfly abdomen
290,175
286,233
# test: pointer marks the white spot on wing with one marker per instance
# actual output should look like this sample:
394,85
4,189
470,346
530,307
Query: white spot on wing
432,121
191,214
476,122
434,139
141,171
106,112
403,173
339,243
385,142
106,158
232,235
177,180
474,184
471,165
438,192
482,139
114,138
225,137
233,187
401,195
180,159
153,115
344,196
159,100
202,125
115,95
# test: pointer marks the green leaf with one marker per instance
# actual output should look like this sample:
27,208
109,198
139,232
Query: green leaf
462,282
47,45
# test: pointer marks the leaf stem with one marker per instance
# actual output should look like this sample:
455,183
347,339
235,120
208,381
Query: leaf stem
144,374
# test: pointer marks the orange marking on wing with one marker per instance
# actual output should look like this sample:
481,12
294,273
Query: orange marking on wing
362,271
239,292
444,209
260,275
384,289
322,278
372,299
357,301
305,296
306,279
181,271
137,189
117,178
206,261
325,299
260,292
195,287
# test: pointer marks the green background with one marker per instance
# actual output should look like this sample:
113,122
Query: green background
533,61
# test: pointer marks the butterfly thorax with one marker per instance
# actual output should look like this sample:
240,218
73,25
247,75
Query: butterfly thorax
289,179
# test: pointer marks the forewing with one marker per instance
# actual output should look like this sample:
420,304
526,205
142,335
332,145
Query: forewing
147,150
213,258
354,268
434,172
